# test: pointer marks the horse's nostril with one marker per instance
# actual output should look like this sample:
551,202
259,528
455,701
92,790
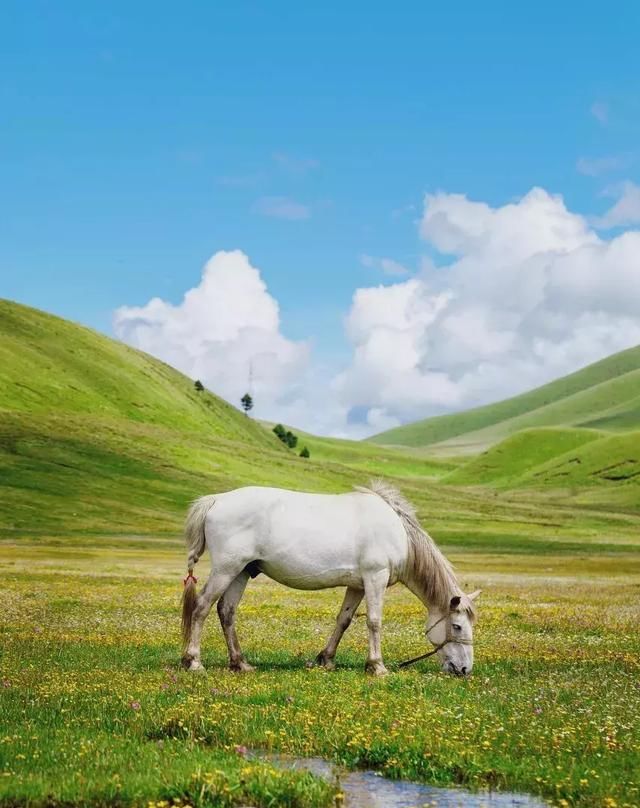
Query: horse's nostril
463,670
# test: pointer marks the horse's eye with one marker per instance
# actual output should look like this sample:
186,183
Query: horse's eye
456,627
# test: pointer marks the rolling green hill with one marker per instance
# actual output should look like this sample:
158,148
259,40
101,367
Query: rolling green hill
508,461
98,437
609,460
372,459
605,395
584,466
99,440
94,431
50,365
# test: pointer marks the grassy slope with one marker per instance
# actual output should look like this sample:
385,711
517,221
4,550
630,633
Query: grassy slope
89,426
611,460
106,440
581,465
372,459
586,398
95,436
48,364
517,455
608,406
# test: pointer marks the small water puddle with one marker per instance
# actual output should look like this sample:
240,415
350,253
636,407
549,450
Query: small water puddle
367,789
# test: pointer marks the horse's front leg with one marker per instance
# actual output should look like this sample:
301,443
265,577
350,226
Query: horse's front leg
227,607
350,603
374,588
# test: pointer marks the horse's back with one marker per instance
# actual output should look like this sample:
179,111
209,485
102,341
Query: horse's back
256,504
306,540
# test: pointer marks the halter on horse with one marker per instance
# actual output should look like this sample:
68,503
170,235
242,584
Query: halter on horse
448,638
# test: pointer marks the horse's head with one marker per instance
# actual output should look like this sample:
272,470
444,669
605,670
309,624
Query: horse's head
451,633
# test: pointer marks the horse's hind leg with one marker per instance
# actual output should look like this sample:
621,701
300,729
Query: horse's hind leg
352,598
374,589
227,606
215,587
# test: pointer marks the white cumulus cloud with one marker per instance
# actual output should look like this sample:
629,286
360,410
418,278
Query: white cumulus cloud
532,293
224,325
520,294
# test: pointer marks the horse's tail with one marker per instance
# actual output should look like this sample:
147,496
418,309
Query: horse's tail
195,540
194,528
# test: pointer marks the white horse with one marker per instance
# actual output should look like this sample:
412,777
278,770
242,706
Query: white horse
366,540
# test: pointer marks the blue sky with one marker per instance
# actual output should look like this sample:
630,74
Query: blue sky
138,140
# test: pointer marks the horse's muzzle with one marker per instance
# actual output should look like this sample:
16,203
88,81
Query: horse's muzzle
452,668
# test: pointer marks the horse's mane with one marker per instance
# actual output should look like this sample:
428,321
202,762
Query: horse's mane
426,565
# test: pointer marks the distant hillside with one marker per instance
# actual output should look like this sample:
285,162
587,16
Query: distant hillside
373,460
52,366
96,437
605,395
519,455
611,460
592,467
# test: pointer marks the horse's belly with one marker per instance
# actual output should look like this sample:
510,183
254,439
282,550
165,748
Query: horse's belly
302,577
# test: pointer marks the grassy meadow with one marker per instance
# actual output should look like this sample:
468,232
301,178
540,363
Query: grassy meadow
95,709
101,449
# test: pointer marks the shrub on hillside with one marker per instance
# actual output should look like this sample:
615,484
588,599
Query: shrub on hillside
286,436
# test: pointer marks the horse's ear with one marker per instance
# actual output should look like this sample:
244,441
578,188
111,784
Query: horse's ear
475,594
455,602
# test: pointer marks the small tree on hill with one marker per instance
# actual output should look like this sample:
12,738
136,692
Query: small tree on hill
286,436
247,403
198,385
305,452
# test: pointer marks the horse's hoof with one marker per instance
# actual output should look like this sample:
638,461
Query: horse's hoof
376,669
191,664
241,667
324,662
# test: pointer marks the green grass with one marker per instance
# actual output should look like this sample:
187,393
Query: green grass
587,465
50,365
93,428
611,461
95,710
604,395
518,455
591,407
372,459
101,449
